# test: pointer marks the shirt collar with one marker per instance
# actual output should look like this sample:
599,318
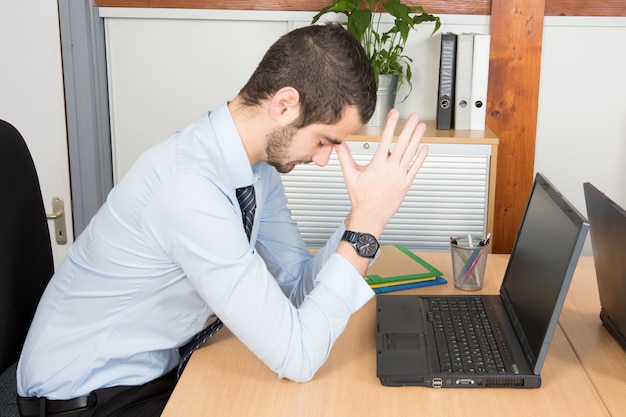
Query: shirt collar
238,165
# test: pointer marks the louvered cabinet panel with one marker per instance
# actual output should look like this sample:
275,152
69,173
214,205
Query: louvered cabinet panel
449,197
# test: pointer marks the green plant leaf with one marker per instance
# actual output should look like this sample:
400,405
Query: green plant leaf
358,23
384,49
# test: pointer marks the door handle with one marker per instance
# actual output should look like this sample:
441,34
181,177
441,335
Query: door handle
58,215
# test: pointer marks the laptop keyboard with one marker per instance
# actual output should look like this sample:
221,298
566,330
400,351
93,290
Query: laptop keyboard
465,340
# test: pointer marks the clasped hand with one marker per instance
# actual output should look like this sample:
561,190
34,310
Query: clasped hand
376,190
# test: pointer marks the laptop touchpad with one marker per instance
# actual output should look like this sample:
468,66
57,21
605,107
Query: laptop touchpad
403,341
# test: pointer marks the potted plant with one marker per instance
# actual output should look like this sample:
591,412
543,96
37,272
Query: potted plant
384,48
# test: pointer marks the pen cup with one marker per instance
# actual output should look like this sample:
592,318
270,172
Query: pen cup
468,262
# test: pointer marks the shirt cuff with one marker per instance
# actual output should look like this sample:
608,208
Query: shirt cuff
339,276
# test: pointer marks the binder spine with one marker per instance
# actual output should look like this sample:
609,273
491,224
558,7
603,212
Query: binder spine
447,67
480,80
463,88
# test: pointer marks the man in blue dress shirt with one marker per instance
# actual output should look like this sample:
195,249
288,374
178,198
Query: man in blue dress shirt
167,252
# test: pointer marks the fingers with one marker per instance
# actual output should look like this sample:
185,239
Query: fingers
417,163
343,153
408,142
412,122
388,133
407,156
345,158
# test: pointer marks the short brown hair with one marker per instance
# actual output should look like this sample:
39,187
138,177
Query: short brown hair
328,67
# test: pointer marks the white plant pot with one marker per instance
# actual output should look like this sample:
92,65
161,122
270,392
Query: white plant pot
386,99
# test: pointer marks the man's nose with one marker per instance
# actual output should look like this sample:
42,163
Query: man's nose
321,157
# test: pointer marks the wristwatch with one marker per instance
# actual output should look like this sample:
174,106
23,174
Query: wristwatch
365,244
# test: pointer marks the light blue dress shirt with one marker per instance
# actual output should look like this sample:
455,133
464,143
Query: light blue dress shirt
167,252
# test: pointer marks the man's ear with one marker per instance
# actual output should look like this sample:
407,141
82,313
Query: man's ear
285,105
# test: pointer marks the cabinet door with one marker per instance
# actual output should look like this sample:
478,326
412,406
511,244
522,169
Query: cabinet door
448,197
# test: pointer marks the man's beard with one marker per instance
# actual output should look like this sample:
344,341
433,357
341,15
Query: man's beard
278,143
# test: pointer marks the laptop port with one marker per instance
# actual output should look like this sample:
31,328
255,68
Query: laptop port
437,383
465,381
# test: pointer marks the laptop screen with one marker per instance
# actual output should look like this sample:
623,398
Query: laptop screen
542,261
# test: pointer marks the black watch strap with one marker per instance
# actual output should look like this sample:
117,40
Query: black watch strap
365,244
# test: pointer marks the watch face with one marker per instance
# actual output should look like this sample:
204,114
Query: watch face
367,245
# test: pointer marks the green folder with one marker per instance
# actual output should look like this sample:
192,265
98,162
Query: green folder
396,264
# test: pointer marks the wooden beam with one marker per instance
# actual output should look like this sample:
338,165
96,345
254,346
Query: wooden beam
585,8
478,7
512,102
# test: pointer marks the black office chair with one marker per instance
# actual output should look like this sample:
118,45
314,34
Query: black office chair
26,263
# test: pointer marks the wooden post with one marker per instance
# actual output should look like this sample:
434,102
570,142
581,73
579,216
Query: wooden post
512,102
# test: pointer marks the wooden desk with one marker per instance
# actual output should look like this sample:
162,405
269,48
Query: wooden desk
602,357
225,379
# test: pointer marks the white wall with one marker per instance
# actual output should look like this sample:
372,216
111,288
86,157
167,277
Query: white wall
581,129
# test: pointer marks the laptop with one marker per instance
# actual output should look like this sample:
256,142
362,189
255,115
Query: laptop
420,339
608,228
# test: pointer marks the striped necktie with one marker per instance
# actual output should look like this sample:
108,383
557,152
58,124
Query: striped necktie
247,202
